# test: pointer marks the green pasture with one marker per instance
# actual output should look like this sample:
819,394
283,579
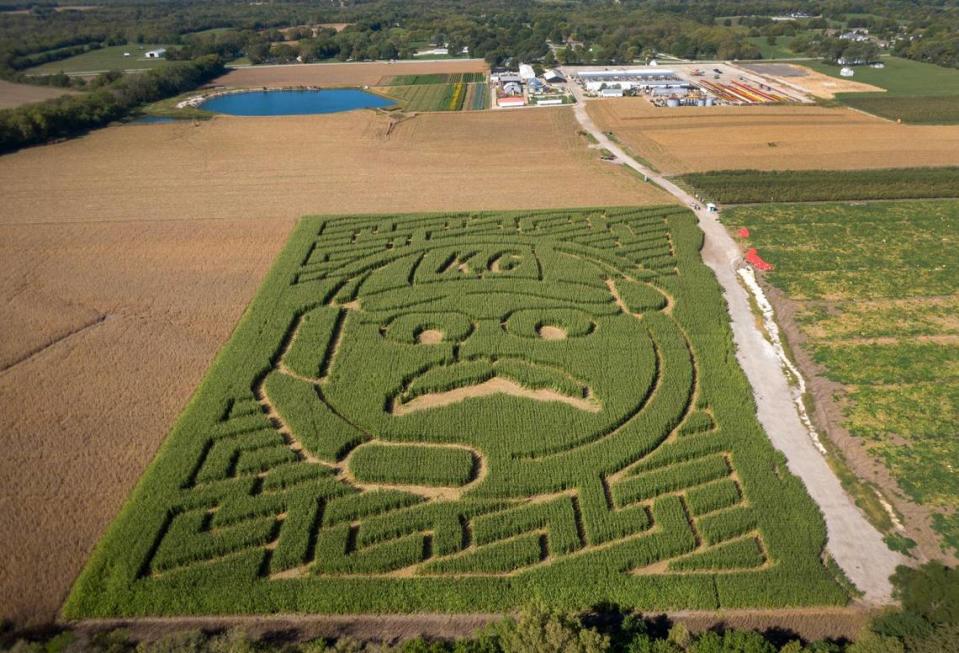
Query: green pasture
916,92
107,58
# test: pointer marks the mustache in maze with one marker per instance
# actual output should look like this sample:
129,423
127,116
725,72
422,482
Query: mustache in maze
446,385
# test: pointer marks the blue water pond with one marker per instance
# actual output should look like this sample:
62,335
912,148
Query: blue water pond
294,103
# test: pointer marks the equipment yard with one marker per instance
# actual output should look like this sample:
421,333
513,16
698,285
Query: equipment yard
686,84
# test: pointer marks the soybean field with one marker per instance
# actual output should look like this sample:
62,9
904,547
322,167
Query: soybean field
760,186
460,412
877,290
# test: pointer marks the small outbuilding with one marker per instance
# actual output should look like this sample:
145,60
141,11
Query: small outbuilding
512,88
159,53
846,71
552,76
510,101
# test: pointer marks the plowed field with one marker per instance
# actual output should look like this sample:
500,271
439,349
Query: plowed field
693,139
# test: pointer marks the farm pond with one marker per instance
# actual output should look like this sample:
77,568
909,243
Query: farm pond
293,102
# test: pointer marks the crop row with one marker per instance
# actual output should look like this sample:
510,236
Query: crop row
245,486
754,186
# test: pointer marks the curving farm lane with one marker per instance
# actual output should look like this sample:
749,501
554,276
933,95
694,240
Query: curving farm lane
853,542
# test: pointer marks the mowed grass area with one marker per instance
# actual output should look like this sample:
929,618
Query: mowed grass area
877,287
757,186
916,92
108,58
410,351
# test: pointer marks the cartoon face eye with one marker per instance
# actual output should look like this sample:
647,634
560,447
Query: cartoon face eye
428,328
550,324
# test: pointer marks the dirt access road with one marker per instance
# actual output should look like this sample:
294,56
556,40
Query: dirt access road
853,542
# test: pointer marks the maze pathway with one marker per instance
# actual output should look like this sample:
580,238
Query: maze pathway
459,412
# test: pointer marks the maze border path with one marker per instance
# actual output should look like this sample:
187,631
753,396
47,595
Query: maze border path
230,480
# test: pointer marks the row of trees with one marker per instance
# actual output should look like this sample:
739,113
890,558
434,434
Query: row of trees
112,97
493,29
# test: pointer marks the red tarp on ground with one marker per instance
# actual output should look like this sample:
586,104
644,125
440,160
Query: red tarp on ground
744,233
755,260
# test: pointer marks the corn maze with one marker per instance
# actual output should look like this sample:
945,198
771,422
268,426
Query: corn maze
461,412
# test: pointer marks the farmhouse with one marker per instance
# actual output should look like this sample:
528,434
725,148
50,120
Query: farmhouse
156,54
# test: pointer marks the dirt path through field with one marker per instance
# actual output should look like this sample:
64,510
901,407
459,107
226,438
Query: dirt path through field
853,542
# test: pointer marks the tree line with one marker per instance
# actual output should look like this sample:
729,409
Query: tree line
111,97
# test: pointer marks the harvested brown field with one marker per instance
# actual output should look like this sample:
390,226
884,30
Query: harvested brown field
287,167
131,253
13,95
810,81
110,327
342,74
697,139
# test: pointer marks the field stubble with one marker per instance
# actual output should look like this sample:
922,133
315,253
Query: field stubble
14,95
694,139
342,74
146,242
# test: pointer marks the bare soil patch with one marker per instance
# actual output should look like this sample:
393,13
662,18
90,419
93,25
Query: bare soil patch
549,332
810,81
697,139
14,95
496,385
164,232
342,74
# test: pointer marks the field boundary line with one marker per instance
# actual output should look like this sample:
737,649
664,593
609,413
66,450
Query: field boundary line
100,319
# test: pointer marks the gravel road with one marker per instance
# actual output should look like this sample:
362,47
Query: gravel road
853,542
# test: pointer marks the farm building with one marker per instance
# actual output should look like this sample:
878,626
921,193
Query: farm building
536,85
611,92
510,101
155,54
505,78
846,71
553,76
512,88
635,78
526,72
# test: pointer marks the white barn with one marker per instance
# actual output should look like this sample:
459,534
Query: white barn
155,54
